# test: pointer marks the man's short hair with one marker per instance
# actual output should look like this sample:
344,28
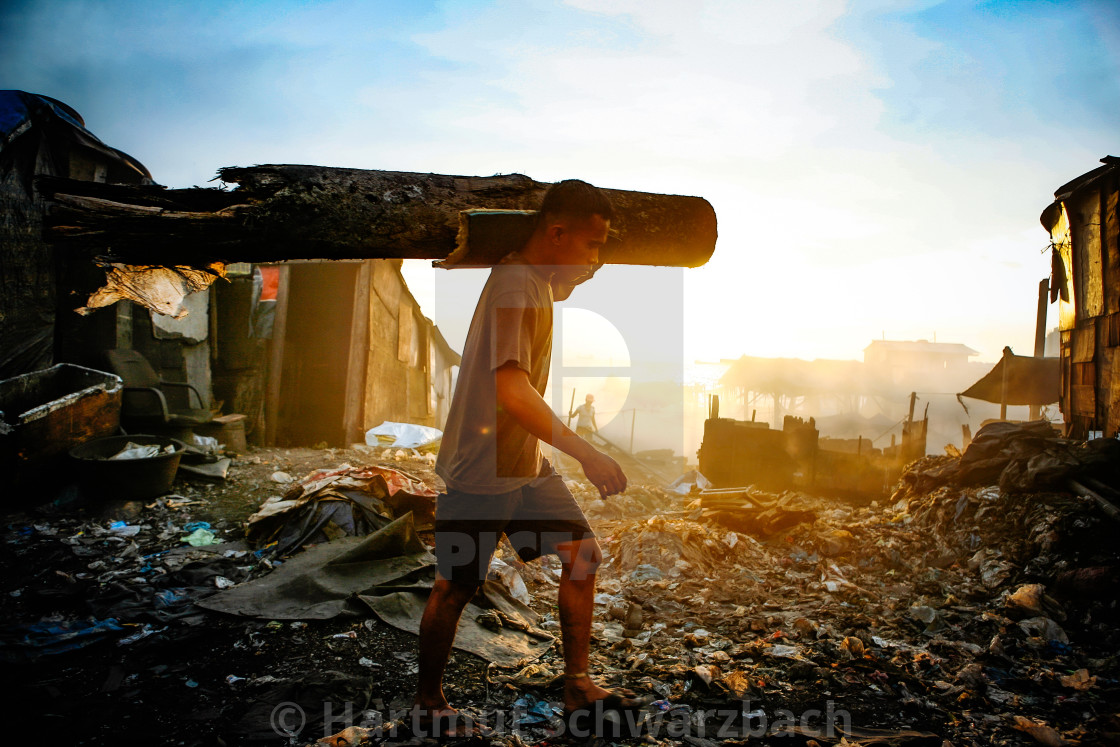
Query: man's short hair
574,198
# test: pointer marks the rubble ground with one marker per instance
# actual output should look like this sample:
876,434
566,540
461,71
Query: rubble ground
959,614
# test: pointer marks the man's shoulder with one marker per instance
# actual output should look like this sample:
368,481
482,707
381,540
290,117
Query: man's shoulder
521,280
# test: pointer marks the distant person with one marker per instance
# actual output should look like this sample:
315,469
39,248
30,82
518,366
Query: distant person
497,479
585,424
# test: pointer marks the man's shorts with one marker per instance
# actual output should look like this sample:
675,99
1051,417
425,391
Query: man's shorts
536,518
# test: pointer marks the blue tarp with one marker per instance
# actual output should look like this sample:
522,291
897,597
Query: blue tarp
18,109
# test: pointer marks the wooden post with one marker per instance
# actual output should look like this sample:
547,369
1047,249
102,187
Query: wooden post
966,435
1040,333
276,359
571,407
1003,386
633,418
1040,322
913,399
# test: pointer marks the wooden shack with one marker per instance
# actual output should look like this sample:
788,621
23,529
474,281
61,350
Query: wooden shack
40,136
1085,281
345,348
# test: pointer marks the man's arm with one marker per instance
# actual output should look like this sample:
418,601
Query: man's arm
525,404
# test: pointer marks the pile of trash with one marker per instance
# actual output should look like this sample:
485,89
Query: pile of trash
977,605
124,579
341,502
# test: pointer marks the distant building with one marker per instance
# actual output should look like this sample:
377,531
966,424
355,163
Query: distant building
850,399
918,364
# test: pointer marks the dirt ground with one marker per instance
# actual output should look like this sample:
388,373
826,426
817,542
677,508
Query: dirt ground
909,621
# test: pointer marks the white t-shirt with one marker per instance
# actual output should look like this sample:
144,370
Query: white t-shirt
586,415
484,450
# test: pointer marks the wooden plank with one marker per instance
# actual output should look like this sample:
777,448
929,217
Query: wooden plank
1085,233
1084,343
1066,405
1085,373
354,405
1112,420
1084,400
1111,242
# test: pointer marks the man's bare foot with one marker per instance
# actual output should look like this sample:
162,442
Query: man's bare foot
440,721
590,710
581,692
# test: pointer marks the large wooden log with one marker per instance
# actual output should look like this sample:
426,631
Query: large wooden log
309,212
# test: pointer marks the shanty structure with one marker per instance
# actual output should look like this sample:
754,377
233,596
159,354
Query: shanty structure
322,353
343,346
1085,280
40,136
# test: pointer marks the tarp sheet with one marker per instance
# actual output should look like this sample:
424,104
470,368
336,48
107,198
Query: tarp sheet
389,572
1030,381
327,504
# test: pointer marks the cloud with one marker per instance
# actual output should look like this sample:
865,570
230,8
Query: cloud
902,146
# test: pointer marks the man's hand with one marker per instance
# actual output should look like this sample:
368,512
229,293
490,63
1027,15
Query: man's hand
529,409
604,473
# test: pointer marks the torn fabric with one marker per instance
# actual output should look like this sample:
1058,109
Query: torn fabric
161,289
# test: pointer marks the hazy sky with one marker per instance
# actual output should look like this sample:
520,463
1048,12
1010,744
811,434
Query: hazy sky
877,168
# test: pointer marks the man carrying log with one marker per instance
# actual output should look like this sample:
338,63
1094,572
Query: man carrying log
497,478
